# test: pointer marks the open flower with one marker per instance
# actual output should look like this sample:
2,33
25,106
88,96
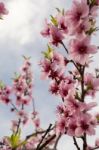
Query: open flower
79,11
81,49
85,125
80,30
61,125
72,125
46,31
63,23
56,35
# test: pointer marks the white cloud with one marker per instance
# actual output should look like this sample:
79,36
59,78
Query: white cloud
25,18
22,22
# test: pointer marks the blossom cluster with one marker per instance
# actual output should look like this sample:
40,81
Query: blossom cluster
75,86
18,97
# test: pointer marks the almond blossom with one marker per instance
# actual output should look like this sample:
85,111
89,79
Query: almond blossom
56,35
79,11
69,80
46,31
81,49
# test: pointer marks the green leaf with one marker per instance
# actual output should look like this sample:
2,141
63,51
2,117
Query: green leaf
15,139
49,53
2,85
77,96
54,21
89,32
93,2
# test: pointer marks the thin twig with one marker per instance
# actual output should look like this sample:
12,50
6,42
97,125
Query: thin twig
82,84
75,65
14,107
64,47
37,132
47,142
18,126
43,137
76,144
56,142
95,148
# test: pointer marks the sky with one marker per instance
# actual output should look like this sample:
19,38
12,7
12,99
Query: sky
20,35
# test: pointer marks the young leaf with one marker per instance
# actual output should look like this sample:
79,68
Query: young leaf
49,53
54,21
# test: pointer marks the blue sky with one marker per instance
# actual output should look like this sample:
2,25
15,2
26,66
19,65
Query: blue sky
20,35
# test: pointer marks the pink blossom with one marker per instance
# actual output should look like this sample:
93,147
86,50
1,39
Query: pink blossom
81,49
3,10
63,23
74,104
85,125
54,88
22,84
22,113
89,106
64,89
58,59
92,84
53,68
74,116
94,12
61,125
34,113
60,109
23,116
25,120
79,11
57,74
72,125
46,31
5,93
31,144
56,35
14,125
36,122
46,68
80,30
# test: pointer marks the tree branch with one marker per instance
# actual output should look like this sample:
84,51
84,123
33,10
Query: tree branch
75,143
37,132
43,137
64,47
46,142
95,148
56,142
